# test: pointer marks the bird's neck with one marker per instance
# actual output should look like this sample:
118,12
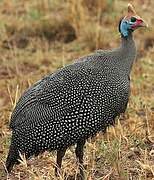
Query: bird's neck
127,41
128,52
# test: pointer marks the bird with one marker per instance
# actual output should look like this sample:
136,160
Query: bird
76,102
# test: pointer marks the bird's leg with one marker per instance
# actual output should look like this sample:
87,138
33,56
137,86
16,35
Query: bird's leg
79,155
60,155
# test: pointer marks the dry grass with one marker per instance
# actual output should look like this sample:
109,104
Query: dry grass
36,38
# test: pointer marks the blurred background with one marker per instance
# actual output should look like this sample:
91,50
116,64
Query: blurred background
38,37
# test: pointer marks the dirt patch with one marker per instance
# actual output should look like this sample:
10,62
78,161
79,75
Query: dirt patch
149,42
6,73
94,6
52,30
11,72
15,41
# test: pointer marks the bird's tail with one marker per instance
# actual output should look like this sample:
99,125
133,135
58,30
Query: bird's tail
12,158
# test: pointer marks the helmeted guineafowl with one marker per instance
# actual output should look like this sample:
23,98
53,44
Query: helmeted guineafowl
74,103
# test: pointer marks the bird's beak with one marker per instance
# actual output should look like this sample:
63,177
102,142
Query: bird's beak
139,23
143,24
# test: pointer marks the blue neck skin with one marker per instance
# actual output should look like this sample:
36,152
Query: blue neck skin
125,28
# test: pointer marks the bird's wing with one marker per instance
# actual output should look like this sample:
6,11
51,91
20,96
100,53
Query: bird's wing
51,97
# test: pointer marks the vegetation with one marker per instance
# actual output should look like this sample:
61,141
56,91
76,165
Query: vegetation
38,37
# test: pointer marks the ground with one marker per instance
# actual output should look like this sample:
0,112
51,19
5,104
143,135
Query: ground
38,37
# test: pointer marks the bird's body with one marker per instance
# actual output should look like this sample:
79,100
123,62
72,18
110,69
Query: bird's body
73,103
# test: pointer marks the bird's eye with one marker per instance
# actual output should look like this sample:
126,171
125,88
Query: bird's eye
133,19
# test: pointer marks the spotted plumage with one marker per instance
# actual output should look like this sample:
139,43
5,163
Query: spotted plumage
73,104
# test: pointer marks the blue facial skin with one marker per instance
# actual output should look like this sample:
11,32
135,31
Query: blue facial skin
125,26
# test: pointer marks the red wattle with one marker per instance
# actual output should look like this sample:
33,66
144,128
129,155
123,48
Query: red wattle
137,23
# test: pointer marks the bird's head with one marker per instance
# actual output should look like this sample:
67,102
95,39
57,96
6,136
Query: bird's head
130,22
